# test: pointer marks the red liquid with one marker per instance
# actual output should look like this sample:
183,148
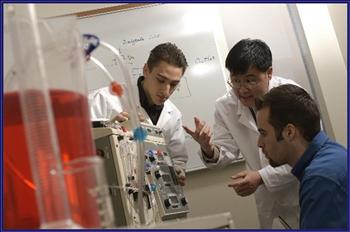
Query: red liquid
72,121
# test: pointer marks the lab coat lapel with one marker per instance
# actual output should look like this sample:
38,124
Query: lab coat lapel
163,118
165,115
245,117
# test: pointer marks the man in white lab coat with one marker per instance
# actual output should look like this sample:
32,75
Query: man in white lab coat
161,75
235,132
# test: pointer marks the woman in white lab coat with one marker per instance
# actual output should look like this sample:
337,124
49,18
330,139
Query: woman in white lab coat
162,72
235,133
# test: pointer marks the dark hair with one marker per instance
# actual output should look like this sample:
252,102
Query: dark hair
169,53
248,53
291,104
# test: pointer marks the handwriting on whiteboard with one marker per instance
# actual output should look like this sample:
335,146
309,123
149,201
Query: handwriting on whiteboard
200,60
132,41
139,39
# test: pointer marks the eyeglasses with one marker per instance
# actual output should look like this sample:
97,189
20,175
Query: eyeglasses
247,83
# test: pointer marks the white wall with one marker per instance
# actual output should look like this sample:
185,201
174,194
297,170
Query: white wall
338,13
270,23
328,59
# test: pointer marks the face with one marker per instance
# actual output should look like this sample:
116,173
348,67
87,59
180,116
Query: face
247,93
275,151
160,82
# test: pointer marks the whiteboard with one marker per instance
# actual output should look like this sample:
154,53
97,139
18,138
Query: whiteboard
194,28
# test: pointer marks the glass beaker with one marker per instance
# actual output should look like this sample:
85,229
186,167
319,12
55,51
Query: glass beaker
88,192
51,62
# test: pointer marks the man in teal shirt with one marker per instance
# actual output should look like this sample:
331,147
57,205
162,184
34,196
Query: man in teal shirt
289,124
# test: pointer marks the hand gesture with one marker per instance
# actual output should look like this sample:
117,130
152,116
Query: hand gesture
180,175
121,117
246,182
202,134
124,116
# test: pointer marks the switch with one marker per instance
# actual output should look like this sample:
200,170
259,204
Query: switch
128,187
157,174
147,188
151,158
184,201
167,203
134,195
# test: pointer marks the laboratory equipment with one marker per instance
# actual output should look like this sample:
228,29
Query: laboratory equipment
163,197
160,171
90,43
86,177
47,128
127,97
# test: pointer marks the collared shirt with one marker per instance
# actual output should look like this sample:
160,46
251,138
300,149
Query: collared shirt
322,172
153,111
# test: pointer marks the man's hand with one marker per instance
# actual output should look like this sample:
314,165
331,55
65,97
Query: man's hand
124,116
202,134
121,117
181,176
246,182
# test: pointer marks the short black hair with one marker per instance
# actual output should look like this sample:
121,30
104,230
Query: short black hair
291,104
168,53
248,53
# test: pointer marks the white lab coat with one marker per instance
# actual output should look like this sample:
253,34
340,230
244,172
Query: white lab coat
105,106
235,132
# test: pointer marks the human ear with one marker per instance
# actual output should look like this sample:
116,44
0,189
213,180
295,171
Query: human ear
145,70
289,132
269,72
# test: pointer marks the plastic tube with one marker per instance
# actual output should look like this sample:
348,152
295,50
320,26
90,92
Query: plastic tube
38,121
129,101
102,67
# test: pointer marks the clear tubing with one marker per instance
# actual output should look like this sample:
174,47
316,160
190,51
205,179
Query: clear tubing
39,125
102,67
140,205
130,101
